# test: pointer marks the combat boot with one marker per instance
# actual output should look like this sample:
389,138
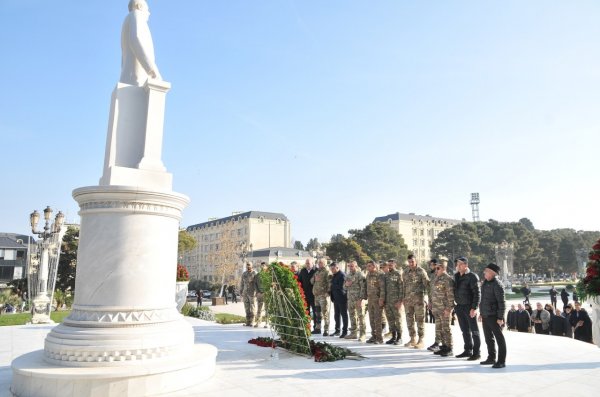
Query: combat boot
411,343
440,350
316,331
447,353
420,344
398,340
434,347
392,339
352,335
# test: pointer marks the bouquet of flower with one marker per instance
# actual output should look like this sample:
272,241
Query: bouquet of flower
182,273
589,287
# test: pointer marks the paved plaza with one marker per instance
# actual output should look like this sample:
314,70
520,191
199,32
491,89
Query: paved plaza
536,365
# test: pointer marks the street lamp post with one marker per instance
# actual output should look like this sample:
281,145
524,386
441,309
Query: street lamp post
41,302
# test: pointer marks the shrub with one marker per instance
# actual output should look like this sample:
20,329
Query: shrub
201,312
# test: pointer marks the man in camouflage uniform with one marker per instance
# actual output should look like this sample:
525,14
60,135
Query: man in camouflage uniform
248,292
392,301
375,284
416,284
260,300
357,291
321,282
441,302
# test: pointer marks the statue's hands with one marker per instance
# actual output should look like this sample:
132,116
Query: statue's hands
154,74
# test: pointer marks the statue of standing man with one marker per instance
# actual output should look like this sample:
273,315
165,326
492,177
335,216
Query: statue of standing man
137,62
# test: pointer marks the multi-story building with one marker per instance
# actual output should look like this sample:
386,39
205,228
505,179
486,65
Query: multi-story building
418,231
279,254
229,239
13,256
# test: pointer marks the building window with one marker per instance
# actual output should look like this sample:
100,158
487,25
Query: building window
414,242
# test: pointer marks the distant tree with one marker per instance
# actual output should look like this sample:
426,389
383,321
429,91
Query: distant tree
567,258
298,245
313,245
346,249
527,223
379,241
186,242
67,263
226,255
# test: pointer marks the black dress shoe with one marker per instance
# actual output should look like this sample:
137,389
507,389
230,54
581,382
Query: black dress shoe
464,354
343,335
336,333
474,357
489,361
316,332
499,365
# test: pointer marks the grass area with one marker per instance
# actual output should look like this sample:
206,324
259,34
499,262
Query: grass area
532,295
226,318
24,318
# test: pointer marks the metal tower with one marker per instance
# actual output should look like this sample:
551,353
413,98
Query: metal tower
475,206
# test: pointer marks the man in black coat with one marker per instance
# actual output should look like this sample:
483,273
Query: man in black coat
339,298
511,319
553,295
304,277
466,296
582,324
523,319
559,325
493,305
564,297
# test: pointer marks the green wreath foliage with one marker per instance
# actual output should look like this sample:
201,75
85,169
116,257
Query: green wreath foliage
286,307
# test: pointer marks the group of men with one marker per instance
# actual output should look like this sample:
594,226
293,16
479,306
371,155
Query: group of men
387,289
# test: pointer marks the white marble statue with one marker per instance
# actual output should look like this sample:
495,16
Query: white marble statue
137,63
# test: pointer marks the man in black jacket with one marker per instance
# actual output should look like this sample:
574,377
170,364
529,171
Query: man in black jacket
523,320
467,295
339,298
493,305
304,277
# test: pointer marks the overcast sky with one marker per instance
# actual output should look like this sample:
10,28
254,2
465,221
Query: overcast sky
331,112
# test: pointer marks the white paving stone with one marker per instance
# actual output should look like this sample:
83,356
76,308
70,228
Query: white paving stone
536,364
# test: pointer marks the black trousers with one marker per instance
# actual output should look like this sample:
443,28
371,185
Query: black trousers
469,328
340,309
493,334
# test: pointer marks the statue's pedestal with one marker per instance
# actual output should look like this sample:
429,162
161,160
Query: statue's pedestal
124,336
34,377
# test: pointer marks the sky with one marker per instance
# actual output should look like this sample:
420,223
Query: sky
331,112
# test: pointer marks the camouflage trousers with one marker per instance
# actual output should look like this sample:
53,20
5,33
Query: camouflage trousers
357,316
443,333
394,318
415,313
322,308
375,319
249,308
260,302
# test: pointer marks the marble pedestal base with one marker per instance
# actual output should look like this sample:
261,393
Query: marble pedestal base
33,376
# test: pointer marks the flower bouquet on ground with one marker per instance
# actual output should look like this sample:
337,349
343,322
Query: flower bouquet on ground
321,351
589,287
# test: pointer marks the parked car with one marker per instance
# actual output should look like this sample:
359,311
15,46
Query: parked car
206,294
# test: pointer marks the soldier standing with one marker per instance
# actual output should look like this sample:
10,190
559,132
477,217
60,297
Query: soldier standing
248,292
321,282
260,299
394,294
436,344
416,283
441,302
374,293
357,291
